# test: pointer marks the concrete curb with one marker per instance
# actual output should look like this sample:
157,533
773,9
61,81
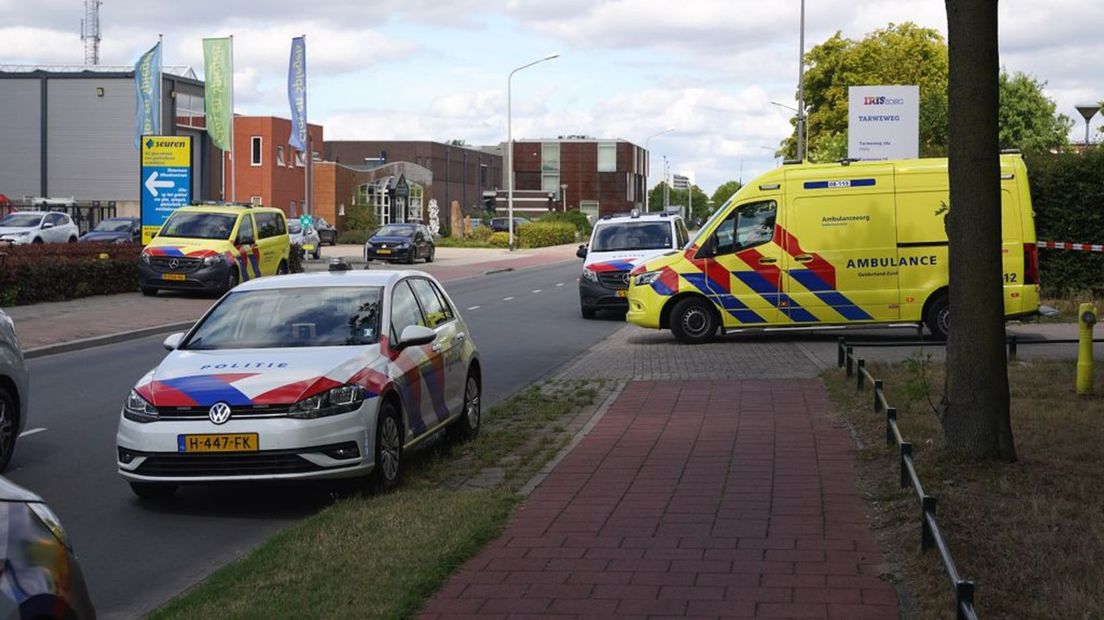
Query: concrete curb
96,341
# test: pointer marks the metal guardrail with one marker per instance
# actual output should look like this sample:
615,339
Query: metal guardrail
1013,343
930,534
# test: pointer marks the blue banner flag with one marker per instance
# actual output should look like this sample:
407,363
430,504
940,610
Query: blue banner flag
297,94
147,81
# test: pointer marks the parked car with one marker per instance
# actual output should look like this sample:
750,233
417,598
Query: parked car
310,376
502,224
306,237
401,242
115,230
14,386
214,247
38,227
42,578
326,232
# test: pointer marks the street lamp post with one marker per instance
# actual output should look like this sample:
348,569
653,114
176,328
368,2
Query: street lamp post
563,196
510,145
1088,112
801,111
648,167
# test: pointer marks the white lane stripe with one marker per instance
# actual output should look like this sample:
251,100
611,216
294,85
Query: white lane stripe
560,284
507,298
474,308
536,290
31,431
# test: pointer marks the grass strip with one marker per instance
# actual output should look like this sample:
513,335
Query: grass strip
383,556
1029,533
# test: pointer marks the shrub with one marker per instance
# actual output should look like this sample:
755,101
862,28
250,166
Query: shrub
499,239
543,234
361,217
357,237
482,233
578,219
56,272
295,259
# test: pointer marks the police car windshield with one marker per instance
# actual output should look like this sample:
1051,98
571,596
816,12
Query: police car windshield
198,225
622,236
291,317
113,226
21,220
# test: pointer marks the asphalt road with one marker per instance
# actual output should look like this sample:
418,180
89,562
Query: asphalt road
137,555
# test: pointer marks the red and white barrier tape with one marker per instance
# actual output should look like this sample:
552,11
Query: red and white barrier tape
1062,245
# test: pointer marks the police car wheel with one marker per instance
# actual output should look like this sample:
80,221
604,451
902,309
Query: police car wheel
388,450
152,490
693,321
7,427
467,425
938,319
429,258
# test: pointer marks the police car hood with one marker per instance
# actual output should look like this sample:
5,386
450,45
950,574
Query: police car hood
242,377
619,261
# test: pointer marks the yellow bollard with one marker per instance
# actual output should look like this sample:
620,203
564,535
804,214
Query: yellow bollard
1086,318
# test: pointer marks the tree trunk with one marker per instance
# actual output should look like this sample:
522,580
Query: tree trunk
976,418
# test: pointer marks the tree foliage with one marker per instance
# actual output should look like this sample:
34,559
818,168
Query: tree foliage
903,54
725,191
680,198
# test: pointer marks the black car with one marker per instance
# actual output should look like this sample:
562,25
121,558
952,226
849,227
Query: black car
401,242
502,224
327,234
115,230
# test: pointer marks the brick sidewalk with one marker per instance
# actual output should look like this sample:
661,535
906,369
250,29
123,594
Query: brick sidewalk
708,499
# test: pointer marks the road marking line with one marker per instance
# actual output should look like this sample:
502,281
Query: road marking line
507,298
536,290
560,284
31,431
474,308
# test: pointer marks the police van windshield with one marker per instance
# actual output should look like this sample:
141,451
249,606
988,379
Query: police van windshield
291,317
198,225
622,236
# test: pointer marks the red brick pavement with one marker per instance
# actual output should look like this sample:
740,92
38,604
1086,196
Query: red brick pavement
689,499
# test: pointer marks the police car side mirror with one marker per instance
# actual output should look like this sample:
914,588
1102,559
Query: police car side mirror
582,251
415,335
173,341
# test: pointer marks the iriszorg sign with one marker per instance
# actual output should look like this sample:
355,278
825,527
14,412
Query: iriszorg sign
883,122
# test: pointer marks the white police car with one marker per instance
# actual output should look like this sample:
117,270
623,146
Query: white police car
326,375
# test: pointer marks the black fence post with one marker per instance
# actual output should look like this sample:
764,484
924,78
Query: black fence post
906,451
859,372
927,539
891,419
1012,347
850,361
841,351
879,388
964,594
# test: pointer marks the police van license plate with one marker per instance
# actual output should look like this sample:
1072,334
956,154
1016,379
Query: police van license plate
383,251
622,293
232,442
174,276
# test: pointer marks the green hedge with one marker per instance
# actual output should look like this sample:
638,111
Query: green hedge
295,259
356,237
37,273
1067,192
542,234
578,219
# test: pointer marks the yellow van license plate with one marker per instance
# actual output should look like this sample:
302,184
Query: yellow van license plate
622,293
383,251
174,276
233,442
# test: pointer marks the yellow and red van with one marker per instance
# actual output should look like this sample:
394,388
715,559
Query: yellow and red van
810,245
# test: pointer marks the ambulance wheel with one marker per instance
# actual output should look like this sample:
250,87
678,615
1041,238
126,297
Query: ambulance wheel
388,469
589,313
938,318
693,321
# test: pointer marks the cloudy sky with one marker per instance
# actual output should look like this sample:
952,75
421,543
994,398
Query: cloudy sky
436,69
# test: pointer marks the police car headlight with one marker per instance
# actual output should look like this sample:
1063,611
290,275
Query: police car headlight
22,234
211,260
339,400
138,409
646,278
589,274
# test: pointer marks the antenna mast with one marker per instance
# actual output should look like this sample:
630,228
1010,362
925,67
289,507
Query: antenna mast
90,32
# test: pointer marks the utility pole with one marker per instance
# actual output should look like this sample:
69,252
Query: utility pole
90,32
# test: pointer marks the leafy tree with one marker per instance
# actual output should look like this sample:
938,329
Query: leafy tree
909,54
725,191
679,198
976,413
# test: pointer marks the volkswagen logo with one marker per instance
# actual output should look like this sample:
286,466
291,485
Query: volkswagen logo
173,264
219,413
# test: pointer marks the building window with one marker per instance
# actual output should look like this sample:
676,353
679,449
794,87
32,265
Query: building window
292,209
190,111
590,208
255,151
280,155
299,160
483,176
255,200
607,157
550,167
630,187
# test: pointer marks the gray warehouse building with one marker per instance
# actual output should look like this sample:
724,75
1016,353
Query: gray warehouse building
68,132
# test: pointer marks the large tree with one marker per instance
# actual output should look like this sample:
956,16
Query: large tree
909,54
975,413
725,191
679,198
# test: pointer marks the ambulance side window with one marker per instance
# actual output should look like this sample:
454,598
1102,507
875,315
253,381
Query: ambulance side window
747,226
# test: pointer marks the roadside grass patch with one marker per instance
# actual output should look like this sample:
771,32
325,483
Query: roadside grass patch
382,556
1068,306
1030,534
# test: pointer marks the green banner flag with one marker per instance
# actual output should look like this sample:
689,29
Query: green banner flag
218,72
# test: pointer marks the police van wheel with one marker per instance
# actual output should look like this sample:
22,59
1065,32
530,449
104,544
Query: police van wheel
938,318
231,280
693,321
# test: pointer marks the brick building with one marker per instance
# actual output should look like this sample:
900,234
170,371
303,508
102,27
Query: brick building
598,177
269,170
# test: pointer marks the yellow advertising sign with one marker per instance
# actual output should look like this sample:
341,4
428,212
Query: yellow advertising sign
167,151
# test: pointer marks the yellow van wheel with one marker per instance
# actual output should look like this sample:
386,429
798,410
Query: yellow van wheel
938,316
694,321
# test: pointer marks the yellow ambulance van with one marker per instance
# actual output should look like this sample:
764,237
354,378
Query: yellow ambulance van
811,245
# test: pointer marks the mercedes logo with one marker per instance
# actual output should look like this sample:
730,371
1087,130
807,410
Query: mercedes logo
219,413
173,264
625,278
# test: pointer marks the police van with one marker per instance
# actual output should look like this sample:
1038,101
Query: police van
616,244
811,245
